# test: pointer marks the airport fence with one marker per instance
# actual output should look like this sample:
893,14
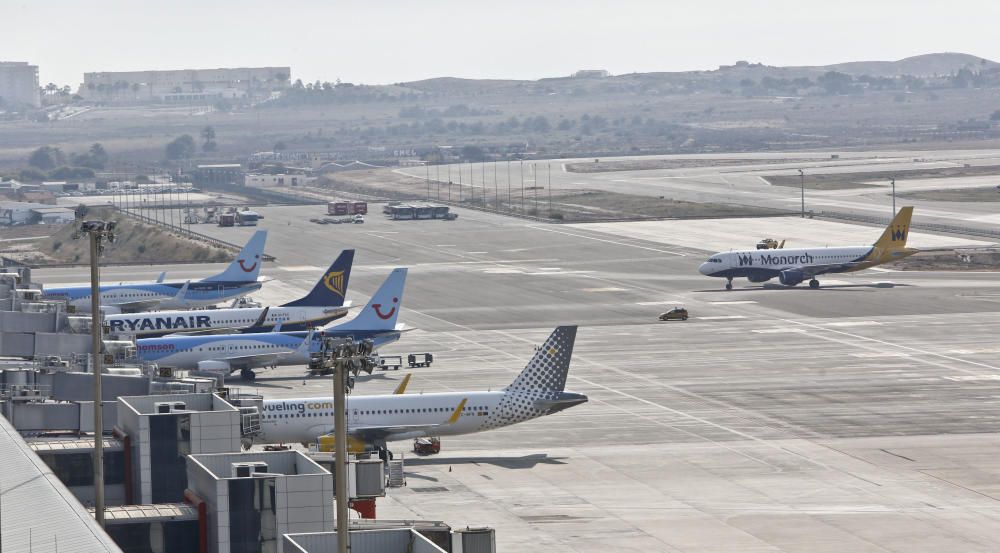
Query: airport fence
186,231
930,227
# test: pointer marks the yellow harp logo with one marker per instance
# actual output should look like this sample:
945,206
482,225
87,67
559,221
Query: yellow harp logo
334,281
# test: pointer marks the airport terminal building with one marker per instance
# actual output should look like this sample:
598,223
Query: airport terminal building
183,85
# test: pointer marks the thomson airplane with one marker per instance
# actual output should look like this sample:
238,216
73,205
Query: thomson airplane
239,279
373,421
323,304
792,266
224,354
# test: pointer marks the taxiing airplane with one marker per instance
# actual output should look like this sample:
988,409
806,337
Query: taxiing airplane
792,266
374,420
224,354
239,279
323,304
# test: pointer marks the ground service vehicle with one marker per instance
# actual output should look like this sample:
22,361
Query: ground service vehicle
359,208
338,208
227,219
419,359
390,362
675,314
247,218
427,446
770,244
359,218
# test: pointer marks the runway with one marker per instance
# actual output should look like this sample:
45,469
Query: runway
856,417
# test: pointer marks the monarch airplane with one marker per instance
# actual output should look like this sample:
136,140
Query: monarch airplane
792,266
239,279
323,304
374,420
224,354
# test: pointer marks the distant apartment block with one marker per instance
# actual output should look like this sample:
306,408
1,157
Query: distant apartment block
19,83
184,85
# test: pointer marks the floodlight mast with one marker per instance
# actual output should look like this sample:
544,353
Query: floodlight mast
347,358
98,232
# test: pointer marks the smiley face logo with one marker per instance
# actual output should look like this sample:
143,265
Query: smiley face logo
249,269
378,309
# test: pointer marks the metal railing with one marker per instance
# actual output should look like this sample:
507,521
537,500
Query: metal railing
932,227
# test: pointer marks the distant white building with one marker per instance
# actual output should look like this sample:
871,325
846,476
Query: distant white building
19,83
54,215
22,213
590,73
270,181
184,85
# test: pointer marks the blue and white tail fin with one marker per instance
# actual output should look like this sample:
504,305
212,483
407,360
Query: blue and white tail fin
246,266
332,286
547,370
382,310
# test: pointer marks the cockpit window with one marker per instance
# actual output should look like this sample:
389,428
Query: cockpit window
714,260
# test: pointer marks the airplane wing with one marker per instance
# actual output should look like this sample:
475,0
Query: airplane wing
810,271
252,361
150,305
224,330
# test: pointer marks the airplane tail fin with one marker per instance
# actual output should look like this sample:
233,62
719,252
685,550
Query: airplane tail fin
247,264
547,370
382,310
331,288
894,237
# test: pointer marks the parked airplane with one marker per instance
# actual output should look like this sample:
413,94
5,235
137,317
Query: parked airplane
323,304
239,279
375,420
792,266
224,354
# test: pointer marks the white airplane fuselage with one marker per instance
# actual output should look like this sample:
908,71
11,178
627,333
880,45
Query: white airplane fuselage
159,323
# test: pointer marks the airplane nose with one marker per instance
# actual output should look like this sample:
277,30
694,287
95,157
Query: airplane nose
704,268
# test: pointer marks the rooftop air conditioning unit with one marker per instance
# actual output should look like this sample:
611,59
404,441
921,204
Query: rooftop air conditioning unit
247,470
163,407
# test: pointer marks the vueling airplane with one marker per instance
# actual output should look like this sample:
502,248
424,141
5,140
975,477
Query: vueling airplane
239,279
224,354
792,266
372,421
323,304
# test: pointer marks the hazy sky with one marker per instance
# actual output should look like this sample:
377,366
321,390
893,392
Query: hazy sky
393,40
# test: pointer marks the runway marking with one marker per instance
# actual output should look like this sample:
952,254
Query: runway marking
735,302
715,317
664,302
880,354
476,253
606,289
779,331
609,241
890,344
973,377
503,271
854,323
445,246
298,268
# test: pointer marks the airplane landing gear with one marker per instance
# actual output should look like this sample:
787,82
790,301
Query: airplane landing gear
729,283
814,284
248,375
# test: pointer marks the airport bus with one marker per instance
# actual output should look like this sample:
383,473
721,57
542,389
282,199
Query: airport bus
247,218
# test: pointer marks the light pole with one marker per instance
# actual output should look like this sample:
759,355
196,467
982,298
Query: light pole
98,232
343,357
893,196
802,182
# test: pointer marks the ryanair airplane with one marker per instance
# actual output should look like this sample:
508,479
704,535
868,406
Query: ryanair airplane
537,391
224,354
792,266
239,279
323,304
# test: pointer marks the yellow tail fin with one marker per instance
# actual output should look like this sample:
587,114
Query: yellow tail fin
401,389
894,237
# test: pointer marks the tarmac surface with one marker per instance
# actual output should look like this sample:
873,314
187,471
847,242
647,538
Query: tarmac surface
857,417
739,179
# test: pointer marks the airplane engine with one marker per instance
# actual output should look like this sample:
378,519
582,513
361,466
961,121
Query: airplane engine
791,277
220,367
758,278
